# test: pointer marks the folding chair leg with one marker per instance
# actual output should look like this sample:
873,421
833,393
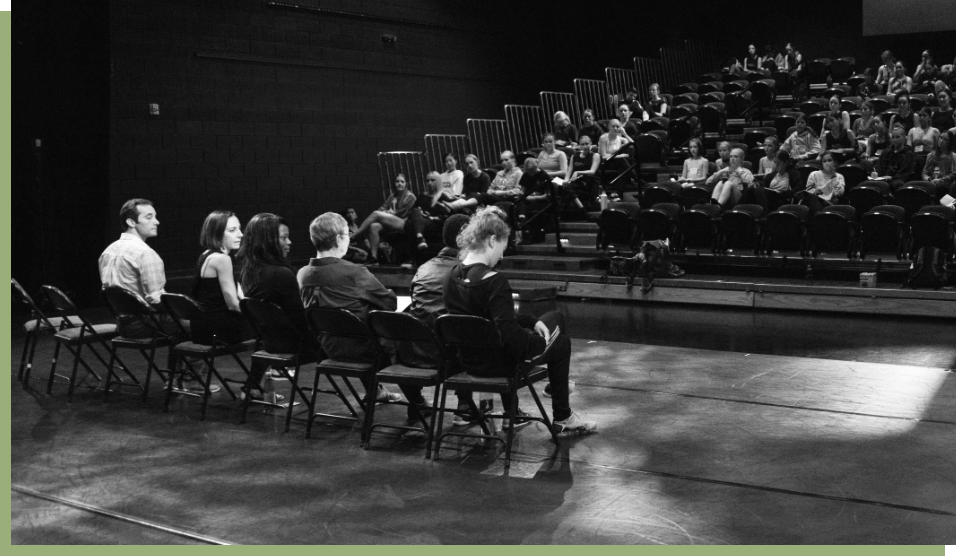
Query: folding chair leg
23,356
109,374
32,344
370,397
76,364
205,388
512,413
544,414
49,380
294,381
315,392
441,416
431,428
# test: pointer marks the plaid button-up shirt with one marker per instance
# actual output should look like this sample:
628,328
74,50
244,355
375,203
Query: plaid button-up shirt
130,263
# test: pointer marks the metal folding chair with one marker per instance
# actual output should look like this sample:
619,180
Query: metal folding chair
38,323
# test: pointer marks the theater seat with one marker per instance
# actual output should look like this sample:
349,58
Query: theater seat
698,227
932,226
833,230
912,198
740,227
659,221
865,197
785,230
882,231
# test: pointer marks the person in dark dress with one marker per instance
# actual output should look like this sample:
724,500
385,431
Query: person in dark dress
589,127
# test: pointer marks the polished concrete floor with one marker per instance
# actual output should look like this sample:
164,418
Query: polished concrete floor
716,427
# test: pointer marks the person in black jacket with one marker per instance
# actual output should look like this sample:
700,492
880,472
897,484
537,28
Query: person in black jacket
473,287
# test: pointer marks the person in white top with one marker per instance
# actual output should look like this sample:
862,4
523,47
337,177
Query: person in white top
823,186
695,167
768,164
923,137
453,178
732,180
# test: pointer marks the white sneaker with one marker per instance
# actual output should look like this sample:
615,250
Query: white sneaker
276,374
575,424
384,396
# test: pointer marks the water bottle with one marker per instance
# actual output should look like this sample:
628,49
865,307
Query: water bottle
809,275
603,200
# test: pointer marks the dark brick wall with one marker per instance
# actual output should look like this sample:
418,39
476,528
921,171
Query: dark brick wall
265,109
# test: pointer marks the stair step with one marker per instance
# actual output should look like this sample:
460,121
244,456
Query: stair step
584,227
574,238
532,262
549,248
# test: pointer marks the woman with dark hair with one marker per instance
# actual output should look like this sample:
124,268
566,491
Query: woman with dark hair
695,166
581,177
214,287
777,179
924,78
551,160
751,60
885,72
835,110
863,126
589,127
390,217
905,117
923,137
899,82
877,142
476,184
473,287
940,165
943,116
823,186
452,179
803,142
838,139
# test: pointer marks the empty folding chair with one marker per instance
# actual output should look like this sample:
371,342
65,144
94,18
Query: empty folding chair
685,98
882,230
840,70
912,198
783,123
419,362
650,154
816,121
659,221
785,229
740,227
684,88
75,339
853,175
184,308
932,226
39,323
818,70
125,303
710,78
466,334
805,168
698,227
617,225
666,192
812,106
833,230
710,87
713,118
864,198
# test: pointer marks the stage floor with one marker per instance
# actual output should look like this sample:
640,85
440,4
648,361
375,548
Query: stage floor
696,446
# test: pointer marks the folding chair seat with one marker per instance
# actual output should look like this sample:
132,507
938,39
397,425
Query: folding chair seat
738,103
932,226
880,185
882,230
617,225
124,303
812,106
835,91
281,346
816,121
853,175
697,194
713,96
470,334
698,227
184,308
912,198
680,111
865,198
660,133
343,327
618,171
39,323
855,81
926,185
833,230
918,101
650,153
419,362
75,339
849,104
754,136
684,88
753,76
710,87
666,192
887,116
740,227
785,229
783,82
685,98
880,104
659,221
763,93
713,118
735,85
681,131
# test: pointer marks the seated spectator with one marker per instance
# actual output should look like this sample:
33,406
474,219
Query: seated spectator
214,286
835,110
899,82
924,78
823,186
768,63
923,136
535,187
552,161
802,143
768,164
505,186
475,185
906,117
838,140
268,276
589,127
430,210
940,165
778,179
868,88
632,126
897,164
358,250
473,287
943,116
390,217
330,282
611,144
637,109
723,155
751,61
798,70
878,142
565,134
581,177
863,126
452,179
696,166
886,71
656,104
947,76
730,181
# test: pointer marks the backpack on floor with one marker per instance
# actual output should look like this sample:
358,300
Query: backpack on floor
653,260
928,270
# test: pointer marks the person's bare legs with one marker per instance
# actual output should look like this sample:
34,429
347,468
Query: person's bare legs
384,221
381,217
459,204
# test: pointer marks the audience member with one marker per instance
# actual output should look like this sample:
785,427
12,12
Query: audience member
565,134
505,185
214,286
358,250
899,82
768,62
838,140
551,160
535,187
131,264
835,110
823,185
723,155
940,165
751,60
476,184
730,181
906,117
637,109
868,88
581,177
430,209
632,126
897,164
784,178
923,136
589,127
453,178
696,166
924,78
886,71
879,141
473,287
863,126
768,164
656,104
943,116
390,217
947,76
802,143
332,283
